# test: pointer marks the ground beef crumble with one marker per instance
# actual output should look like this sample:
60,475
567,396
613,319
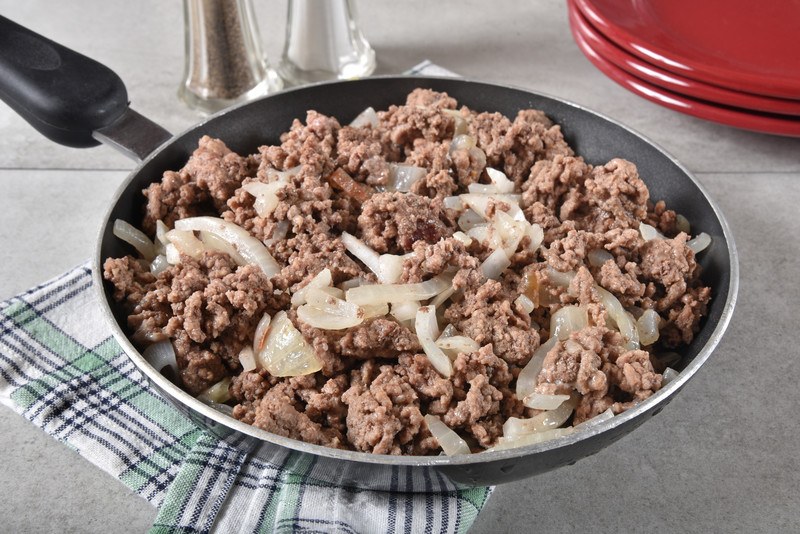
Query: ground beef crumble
376,383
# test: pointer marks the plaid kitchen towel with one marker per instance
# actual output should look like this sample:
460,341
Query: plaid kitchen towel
61,369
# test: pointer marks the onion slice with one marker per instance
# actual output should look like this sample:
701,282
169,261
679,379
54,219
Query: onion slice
285,351
247,358
540,401
647,325
494,264
427,331
450,442
567,320
135,237
368,117
251,249
531,438
161,355
455,345
597,419
391,293
260,338
699,243
402,177
500,181
547,420
668,376
218,393
529,376
321,279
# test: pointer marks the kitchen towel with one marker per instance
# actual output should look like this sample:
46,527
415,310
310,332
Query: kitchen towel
61,369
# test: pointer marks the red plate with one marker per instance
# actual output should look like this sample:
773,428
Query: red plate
675,82
757,122
739,44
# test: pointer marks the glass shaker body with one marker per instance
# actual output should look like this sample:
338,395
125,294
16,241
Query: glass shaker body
324,42
225,64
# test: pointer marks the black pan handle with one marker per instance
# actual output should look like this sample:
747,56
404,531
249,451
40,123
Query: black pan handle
70,98
63,94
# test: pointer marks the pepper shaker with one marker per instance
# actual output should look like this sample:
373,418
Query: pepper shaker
324,42
225,64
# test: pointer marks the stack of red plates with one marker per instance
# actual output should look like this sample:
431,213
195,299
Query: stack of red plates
736,62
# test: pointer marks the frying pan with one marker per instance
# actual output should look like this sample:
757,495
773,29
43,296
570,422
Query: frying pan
77,102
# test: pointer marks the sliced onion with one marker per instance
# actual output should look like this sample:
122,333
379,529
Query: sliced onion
462,142
536,235
216,243
251,249
598,257
460,127
529,376
172,254
494,264
448,331
405,312
279,233
463,238
597,419
285,351
558,278
247,358
332,291
450,442
403,177
567,320
135,237
377,310
647,325
161,355
480,233
455,345
266,194
500,181
531,438
427,331
186,243
525,303
368,117
218,393
480,204
368,256
159,264
669,375
161,232
391,268
482,189
260,338
390,293
682,223
443,297
469,219
453,203
540,401
547,420
648,232
328,312
699,243
321,279
510,231
624,321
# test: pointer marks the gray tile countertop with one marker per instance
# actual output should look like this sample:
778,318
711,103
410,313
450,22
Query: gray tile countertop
722,457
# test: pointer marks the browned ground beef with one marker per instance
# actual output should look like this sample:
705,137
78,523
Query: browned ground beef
376,383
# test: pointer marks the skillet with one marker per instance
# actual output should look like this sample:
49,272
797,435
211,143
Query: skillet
75,101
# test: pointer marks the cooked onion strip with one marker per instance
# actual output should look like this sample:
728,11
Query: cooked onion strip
530,439
218,393
266,194
598,257
285,351
625,323
668,376
251,249
540,401
647,325
247,358
649,233
500,181
135,237
525,303
186,243
159,264
529,376
427,331
405,312
455,345
262,329
547,420
494,264
391,293
597,419
328,312
699,243
321,279
567,320
368,117
402,177
450,442
161,355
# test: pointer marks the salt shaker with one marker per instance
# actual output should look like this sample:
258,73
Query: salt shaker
225,64
324,42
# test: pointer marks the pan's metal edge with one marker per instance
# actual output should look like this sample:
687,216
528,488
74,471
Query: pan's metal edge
422,461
